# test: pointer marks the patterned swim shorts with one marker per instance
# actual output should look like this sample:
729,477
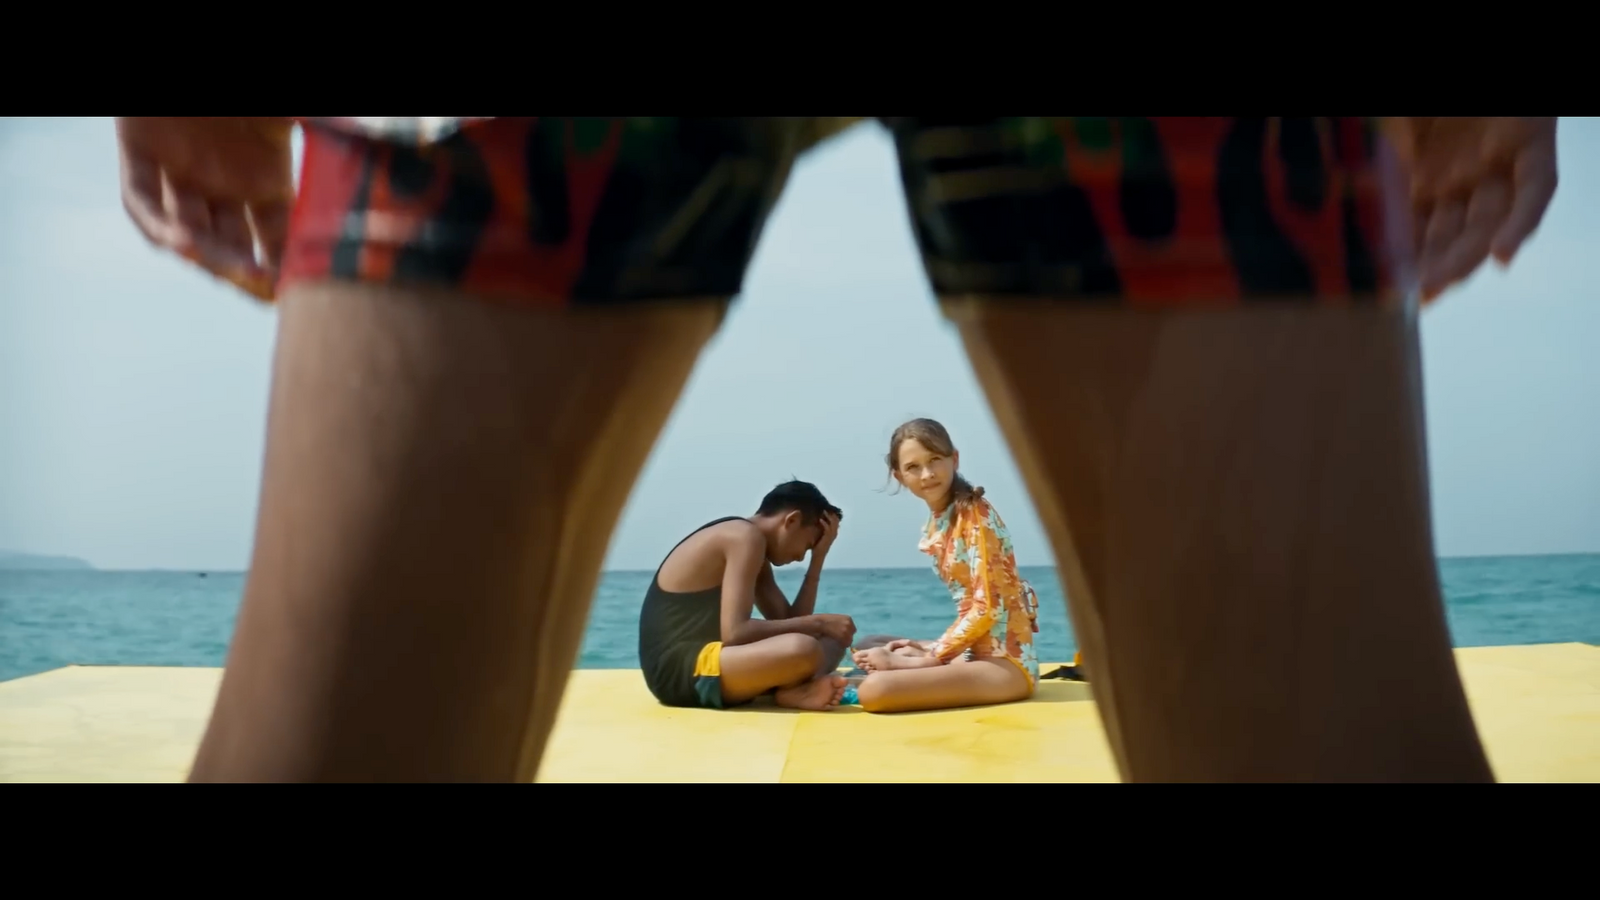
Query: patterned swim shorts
1144,212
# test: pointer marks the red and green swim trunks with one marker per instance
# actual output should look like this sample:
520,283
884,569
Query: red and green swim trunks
1162,212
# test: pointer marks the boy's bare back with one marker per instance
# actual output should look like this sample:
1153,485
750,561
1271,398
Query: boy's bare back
699,563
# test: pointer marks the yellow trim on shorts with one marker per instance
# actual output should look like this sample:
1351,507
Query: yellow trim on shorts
709,663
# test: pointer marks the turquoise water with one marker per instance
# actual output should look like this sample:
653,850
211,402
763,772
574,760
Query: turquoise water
52,619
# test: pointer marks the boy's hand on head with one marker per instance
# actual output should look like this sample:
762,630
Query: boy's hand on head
210,189
829,525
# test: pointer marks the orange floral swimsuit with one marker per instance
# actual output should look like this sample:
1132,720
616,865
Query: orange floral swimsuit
997,610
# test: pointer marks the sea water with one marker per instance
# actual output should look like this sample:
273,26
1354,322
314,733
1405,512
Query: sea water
53,619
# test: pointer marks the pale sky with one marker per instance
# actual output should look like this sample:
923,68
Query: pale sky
133,389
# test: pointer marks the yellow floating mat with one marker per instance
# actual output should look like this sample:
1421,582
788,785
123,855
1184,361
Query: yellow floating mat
1537,707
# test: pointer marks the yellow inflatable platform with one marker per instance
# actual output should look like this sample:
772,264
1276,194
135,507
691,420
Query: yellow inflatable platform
1537,707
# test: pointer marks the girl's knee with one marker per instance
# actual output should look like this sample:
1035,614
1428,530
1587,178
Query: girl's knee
872,696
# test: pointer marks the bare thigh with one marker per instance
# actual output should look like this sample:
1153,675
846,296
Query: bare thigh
1239,503
979,682
442,478
750,670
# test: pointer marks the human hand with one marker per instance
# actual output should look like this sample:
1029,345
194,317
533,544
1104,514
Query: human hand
210,189
841,629
829,525
1480,185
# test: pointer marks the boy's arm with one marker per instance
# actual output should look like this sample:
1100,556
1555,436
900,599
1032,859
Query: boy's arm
771,600
769,596
745,555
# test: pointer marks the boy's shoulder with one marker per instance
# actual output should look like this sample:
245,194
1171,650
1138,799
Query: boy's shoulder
717,538
735,527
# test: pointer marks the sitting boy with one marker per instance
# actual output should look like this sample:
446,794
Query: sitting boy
699,646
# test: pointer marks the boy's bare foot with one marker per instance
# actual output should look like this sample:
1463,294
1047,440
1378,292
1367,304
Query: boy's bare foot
821,693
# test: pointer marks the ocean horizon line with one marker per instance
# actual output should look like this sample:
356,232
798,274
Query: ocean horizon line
635,571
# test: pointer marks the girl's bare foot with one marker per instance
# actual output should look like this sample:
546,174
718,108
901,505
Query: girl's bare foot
875,660
821,693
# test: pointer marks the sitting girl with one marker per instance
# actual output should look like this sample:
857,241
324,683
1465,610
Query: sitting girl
987,656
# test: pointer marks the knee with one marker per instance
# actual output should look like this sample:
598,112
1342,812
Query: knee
803,651
870,694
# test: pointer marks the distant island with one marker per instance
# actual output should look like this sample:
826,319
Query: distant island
14,561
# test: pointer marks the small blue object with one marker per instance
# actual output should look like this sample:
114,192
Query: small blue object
849,698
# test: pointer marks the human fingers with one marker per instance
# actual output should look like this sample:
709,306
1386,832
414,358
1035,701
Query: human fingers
270,221
188,211
1441,225
1534,180
231,231
1480,219
143,198
1451,154
228,247
1430,149
217,237
255,282
182,221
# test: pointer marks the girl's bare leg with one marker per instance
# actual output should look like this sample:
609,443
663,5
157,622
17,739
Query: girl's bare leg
979,682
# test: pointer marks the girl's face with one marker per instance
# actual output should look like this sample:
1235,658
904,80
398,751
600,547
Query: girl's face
926,474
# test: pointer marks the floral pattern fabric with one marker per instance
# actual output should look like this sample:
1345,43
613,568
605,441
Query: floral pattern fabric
997,610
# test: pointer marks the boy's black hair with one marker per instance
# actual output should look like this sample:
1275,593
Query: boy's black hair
799,495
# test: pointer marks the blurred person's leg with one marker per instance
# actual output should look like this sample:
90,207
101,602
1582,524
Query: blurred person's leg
1193,336
480,342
